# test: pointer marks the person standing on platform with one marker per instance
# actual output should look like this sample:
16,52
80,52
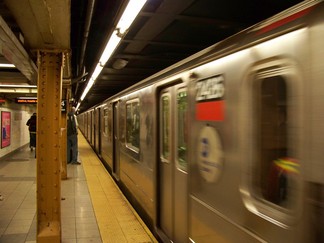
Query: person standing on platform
72,138
31,123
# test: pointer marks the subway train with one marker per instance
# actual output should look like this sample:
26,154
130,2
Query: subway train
226,145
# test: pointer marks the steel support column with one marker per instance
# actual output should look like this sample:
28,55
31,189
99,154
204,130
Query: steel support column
48,146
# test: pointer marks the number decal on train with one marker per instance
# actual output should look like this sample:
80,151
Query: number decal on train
210,89
210,99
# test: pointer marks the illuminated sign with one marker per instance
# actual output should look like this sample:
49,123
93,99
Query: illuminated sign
63,105
26,100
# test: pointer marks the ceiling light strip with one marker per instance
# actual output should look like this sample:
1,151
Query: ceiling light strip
18,86
7,65
130,13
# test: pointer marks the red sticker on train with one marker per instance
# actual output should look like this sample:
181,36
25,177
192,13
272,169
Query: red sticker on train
210,111
210,99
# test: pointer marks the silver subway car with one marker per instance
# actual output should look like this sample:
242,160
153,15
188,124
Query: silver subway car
226,145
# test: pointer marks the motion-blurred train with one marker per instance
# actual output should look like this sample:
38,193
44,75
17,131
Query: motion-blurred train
228,144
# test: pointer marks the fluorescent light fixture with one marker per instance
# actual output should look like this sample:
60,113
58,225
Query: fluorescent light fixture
110,48
88,87
30,98
7,65
127,18
130,13
97,71
93,78
78,105
18,86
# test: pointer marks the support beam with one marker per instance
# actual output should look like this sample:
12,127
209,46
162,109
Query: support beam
15,53
48,146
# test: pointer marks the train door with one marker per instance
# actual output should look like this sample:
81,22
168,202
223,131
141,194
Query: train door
89,127
97,131
92,127
86,125
115,168
172,182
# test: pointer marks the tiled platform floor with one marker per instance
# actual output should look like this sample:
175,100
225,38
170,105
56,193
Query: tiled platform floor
92,207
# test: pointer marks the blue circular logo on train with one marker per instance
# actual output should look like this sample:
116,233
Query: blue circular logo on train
210,154
205,147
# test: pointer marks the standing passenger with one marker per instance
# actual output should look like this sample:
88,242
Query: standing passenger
31,123
72,138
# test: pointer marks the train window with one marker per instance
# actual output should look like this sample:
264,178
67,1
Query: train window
165,127
182,125
133,124
107,129
271,130
276,169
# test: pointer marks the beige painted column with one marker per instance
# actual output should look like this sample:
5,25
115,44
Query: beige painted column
48,146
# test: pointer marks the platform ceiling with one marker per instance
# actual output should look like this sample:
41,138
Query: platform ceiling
165,32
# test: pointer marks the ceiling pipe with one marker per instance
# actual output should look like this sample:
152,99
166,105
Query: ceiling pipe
88,20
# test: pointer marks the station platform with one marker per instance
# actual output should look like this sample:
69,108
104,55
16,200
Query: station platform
93,209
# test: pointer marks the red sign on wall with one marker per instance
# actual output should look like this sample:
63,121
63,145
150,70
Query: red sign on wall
5,128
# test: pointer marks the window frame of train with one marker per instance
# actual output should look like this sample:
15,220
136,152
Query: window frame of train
271,124
107,122
182,128
165,123
132,139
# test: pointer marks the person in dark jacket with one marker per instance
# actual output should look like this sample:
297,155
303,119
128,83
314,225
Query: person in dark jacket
72,138
31,123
